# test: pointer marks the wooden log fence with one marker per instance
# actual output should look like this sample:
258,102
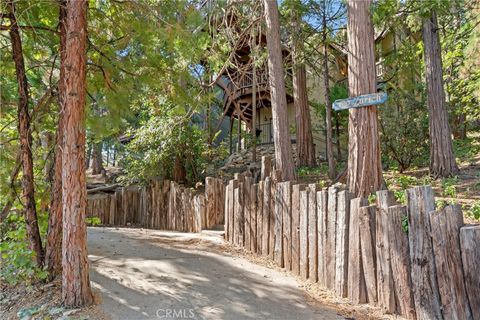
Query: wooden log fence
408,259
162,204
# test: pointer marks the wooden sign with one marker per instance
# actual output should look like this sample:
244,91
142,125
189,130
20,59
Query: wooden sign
360,101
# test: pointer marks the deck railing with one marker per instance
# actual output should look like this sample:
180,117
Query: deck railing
264,133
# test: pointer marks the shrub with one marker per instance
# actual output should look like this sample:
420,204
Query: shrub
474,210
18,263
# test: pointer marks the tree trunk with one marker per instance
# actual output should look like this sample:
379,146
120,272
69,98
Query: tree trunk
337,135
364,164
442,159
76,289
305,147
328,104
281,135
179,171
97,161
33,233
53,256
460,130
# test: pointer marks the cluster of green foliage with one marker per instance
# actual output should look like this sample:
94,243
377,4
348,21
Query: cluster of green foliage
148,62
474,210
93,221
17,260
404,118
158,142
149,73
468,149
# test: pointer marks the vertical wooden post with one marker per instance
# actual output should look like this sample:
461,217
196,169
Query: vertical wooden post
239,215
278,224
253,217
246,209
125,206
184,210
312,233
341,243
322,216
367,245
199,204
272,216
171,208
210,201
400,261
260,217
220,202
331,229
296,189
357,291
164,192
143,211
231,204
266,167
446,224
470,245
113,210
152,206
304,233
287,223
425,288
266,216
119,213
386,293
227,210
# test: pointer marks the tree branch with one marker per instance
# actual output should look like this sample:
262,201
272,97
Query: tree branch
31,28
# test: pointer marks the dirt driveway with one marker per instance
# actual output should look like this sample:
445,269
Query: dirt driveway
149,274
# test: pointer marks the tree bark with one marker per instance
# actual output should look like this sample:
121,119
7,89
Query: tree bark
337,135
179,171
442,159
281,135
53,257
364,164
97,161
76,289
328,104
33,233
305,146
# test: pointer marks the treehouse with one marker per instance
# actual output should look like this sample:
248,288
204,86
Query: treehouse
239,84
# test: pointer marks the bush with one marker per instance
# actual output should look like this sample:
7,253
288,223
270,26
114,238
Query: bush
93,221
403,132
474,211
18,263
158,142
